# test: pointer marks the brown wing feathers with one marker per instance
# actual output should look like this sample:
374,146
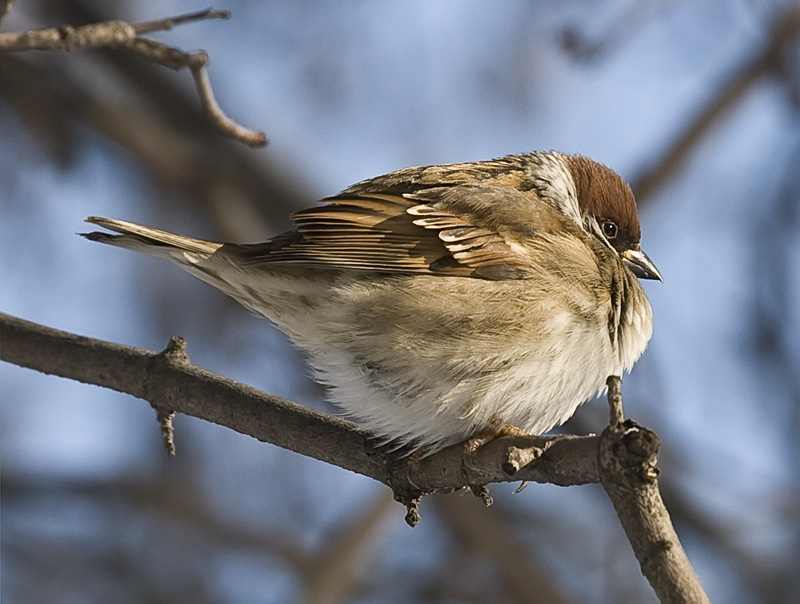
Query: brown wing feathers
391,233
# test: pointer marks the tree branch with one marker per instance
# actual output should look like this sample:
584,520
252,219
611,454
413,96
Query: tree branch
623,458
773,59
170,383
119,34
628,457
5,7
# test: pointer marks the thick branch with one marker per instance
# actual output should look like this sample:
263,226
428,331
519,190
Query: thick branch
119,34
623,458
172,384
773,58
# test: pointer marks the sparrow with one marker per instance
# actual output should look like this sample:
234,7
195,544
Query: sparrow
447,302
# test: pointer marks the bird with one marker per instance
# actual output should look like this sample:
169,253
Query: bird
447,303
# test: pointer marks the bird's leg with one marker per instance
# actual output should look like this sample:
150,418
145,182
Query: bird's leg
496,429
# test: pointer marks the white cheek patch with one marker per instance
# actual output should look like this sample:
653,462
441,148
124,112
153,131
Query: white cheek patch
559,186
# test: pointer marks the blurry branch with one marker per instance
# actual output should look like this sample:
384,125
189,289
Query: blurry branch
524,579
773,59
763,576
633,18
119,34
330,576
623,459
51,564
159,127
5,7
334,574
776,57
173,499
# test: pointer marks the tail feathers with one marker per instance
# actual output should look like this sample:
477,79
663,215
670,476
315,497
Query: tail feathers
148,240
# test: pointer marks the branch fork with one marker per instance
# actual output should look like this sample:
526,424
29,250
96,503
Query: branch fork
120,34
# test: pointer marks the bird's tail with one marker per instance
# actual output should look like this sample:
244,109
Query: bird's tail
151,241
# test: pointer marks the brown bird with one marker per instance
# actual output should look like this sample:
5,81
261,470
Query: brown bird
443,302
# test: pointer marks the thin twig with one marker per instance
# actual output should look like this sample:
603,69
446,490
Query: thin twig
225,125
145,27
174,353
119,34
616,415
105,33
165,419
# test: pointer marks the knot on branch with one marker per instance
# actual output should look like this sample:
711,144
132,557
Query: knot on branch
399,477
161,398
519,457
482,493
628,454
175,352
405,491
108,33
454,468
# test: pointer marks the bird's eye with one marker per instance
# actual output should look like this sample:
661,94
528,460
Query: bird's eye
610,229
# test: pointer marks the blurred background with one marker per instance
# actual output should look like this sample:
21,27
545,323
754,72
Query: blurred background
694,103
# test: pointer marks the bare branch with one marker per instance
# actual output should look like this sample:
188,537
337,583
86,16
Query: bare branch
5,7
119,34
627,456
623,458
66,38
496,538
145,27
107,33
171,383
616,414
785,29
225,125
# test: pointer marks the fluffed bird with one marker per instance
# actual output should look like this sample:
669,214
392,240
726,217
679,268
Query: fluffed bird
444,302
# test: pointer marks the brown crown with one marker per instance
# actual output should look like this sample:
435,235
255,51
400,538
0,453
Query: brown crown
604,193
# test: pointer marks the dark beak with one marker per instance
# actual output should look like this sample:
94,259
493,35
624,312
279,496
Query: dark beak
640,264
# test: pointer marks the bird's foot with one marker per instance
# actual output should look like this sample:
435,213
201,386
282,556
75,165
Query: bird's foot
496,429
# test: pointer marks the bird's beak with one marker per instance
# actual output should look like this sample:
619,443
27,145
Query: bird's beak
640,264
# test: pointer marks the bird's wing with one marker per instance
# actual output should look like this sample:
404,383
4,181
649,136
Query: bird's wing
410,233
